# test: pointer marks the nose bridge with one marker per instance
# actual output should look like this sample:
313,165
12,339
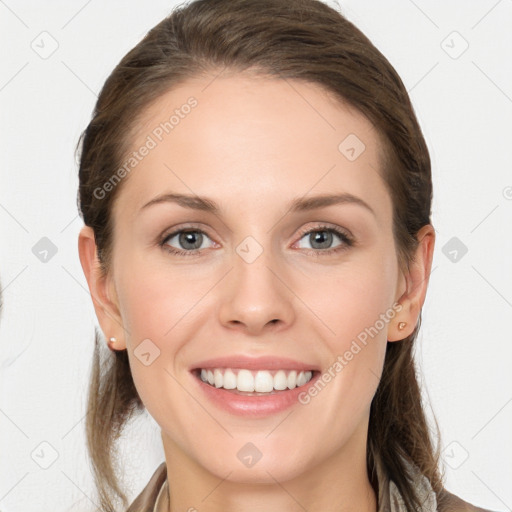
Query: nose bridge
256,296
253,262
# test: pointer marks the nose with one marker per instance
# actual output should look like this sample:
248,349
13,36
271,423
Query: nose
256,296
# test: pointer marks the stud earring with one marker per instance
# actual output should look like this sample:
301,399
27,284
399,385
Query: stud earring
113,340
401,326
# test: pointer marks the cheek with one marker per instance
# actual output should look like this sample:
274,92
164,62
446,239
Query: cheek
357,311
351,298
355,304
154,301
156,308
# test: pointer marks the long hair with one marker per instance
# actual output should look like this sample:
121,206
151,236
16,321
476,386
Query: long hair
288,39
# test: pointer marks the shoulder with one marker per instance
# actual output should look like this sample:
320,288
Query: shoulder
448,502
146,500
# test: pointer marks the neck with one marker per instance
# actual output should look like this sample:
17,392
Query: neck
338,484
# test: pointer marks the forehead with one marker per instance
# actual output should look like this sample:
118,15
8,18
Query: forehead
243,139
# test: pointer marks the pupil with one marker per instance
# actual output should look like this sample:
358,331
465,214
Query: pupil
188,238
324,238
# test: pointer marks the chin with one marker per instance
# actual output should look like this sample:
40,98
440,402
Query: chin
255,466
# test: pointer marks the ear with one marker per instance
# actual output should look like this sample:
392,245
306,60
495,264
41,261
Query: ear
416,283
102,290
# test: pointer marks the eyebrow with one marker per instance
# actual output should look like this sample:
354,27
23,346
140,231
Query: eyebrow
300,204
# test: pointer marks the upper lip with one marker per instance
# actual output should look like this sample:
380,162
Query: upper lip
255,363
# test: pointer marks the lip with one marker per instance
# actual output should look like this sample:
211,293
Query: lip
253,406
255,363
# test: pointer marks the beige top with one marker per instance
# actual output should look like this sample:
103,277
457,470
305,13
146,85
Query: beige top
153,497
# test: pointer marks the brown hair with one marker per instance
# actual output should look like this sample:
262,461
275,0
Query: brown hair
289,39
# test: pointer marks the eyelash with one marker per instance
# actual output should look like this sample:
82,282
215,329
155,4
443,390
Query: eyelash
347,241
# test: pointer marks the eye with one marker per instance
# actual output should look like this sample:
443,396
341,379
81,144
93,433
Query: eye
189,241
321,238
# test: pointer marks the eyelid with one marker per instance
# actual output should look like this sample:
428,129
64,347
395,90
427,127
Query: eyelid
187,226
346,237
327,226
172,232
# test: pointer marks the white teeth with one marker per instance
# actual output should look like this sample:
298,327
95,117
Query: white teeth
217,375
261,381
292,379
245,381
230,380
280,380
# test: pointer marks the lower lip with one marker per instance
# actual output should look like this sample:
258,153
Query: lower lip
255,406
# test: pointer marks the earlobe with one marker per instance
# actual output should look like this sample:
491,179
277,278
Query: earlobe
104,301
399,330
416,280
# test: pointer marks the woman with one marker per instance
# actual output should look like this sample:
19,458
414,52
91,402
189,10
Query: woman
276,351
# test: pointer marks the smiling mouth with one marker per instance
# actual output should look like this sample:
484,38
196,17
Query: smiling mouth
241,381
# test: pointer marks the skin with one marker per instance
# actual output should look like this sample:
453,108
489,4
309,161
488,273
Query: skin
252,145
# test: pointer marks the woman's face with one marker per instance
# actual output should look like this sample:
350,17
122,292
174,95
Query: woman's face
247,281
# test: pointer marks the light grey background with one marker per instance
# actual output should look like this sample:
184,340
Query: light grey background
463,98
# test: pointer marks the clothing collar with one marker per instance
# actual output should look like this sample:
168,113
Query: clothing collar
390,499
161,497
